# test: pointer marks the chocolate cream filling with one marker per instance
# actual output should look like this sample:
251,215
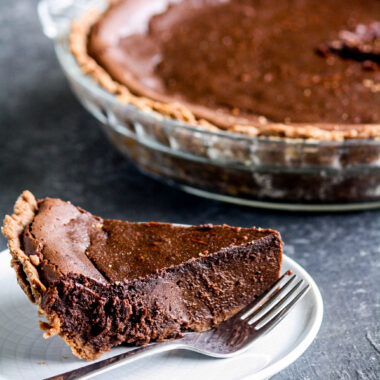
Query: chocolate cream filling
231,61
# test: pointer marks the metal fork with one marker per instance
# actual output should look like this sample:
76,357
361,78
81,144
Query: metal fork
227,339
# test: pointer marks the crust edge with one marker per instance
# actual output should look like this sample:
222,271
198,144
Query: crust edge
24,211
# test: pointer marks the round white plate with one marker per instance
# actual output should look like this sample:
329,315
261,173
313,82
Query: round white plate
25,354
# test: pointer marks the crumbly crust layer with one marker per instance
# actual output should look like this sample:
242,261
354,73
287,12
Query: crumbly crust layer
179,111
25,266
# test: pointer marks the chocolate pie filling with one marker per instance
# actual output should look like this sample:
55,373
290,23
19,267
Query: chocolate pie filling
230,61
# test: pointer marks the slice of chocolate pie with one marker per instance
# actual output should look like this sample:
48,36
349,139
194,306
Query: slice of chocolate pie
102,282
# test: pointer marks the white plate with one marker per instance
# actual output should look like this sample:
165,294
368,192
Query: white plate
25,354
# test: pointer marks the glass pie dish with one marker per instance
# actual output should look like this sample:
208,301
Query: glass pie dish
270,172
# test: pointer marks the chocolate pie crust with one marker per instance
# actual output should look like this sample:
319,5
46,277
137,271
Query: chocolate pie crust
258,125
101,282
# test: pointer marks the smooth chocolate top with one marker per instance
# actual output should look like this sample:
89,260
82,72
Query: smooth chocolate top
68,239
129,250
60,234
314,61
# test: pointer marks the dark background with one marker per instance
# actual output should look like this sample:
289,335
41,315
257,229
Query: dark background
50,145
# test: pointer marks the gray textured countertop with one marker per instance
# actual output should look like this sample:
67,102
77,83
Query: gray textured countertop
50,145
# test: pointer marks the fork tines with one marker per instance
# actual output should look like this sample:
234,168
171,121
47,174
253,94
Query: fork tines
268,310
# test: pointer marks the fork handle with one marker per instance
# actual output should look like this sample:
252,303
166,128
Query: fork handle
107,364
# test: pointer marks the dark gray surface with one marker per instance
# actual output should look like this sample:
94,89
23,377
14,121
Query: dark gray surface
51,146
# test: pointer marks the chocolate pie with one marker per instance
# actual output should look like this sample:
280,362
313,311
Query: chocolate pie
101,282
294,68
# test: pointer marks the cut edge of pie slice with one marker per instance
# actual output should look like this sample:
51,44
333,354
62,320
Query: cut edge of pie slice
102,282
